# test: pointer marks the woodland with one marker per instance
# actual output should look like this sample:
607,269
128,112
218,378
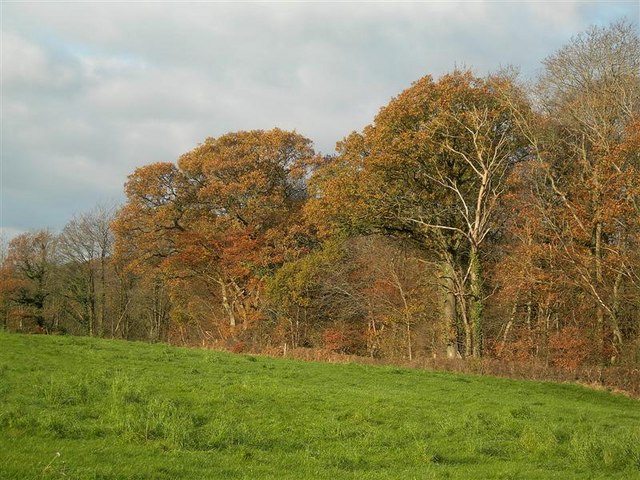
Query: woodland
475,217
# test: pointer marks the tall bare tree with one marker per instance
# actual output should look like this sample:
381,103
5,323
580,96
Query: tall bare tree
85,246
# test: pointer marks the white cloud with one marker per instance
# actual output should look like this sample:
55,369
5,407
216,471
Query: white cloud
22,61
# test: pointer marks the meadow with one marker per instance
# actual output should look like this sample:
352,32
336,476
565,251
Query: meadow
84,408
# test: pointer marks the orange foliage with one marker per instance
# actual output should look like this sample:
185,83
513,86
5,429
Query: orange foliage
570,348
218,221
343,339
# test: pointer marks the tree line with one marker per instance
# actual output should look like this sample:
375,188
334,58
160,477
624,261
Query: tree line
475,216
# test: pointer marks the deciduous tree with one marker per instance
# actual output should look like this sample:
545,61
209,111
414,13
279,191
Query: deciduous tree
219,220
432,167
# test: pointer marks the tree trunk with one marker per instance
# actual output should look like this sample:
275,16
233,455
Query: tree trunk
103,296
225,303
507,328
615,314
449,309
466,325
477,300
409,349
91,301
598,268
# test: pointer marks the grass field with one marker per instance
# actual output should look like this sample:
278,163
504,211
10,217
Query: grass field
80,408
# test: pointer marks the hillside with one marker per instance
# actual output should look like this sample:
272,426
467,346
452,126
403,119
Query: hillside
81,408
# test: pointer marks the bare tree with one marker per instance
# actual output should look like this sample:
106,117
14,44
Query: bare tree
86,244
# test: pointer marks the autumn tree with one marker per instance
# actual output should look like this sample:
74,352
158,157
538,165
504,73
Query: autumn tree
432,167
218,221
27,288
584,185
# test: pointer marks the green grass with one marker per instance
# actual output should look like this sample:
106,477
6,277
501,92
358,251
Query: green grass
80,408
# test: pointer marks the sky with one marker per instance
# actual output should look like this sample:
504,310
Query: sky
93,90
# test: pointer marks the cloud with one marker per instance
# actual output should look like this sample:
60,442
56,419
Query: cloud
93,90
23,61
